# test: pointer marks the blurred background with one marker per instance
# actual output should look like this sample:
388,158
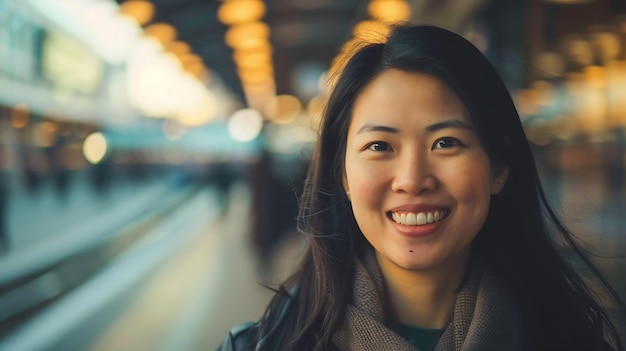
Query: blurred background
152,152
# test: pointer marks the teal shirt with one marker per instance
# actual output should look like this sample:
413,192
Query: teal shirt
423,339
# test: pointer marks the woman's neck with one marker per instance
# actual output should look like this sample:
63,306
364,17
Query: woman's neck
422,298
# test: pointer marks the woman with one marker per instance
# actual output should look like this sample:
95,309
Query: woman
427,225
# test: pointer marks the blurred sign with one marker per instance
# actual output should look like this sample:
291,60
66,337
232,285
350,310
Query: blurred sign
70,65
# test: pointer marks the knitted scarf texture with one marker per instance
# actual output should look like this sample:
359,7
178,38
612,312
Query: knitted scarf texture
485,317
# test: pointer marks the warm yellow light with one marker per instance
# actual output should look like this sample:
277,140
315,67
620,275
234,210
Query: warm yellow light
198,70
20,116
595,76
45,134
247,35
315,107
389,11
257,75
262,88
179,48
140,10
261,46
190,59
245,125
163,32
544,92
233,12
608,45
579,51
616,93
95,147
252,60
526,102
283,109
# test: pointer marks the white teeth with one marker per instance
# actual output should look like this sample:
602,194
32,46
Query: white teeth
410,219
420,218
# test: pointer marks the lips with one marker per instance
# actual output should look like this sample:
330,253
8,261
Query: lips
410,218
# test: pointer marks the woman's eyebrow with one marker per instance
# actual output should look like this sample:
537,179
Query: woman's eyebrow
452,123
369,127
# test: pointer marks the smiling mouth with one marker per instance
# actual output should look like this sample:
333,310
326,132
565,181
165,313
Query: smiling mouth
418,218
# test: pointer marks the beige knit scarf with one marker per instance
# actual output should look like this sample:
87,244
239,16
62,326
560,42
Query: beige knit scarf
485,317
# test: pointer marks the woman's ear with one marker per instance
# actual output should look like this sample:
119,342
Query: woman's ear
499,176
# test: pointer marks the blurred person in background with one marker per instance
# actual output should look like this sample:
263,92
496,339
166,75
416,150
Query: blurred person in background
427,224
5,159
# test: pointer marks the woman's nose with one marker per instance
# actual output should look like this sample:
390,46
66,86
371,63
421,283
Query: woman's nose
413,175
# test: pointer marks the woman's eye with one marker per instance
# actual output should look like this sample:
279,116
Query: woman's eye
446,142
378,146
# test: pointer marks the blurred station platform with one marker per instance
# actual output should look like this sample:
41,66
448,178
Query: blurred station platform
176,277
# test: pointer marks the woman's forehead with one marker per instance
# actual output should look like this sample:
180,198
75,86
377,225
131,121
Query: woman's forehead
405,96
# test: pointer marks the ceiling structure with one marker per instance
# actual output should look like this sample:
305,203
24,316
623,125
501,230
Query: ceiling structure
305,34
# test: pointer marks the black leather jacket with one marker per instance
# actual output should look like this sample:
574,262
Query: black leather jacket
244,336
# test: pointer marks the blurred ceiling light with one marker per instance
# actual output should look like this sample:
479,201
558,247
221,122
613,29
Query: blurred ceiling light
261,46
608,45
254,44
179,48
257,75
141,11
197,70
233,12
616,93
45,134
97,23
247,34
283,109
595,76
95,147
579,51
245,125
265,87
252,60
163,32
154,81
190,59
198,106
261,49
20,115
389,11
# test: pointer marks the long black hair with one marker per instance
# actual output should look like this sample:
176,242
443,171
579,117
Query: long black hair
520,241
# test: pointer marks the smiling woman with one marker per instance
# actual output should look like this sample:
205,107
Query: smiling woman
427,225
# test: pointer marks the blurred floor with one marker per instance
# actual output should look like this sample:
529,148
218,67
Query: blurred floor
210,285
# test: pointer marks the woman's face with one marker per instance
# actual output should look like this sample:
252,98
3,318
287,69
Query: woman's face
417,175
